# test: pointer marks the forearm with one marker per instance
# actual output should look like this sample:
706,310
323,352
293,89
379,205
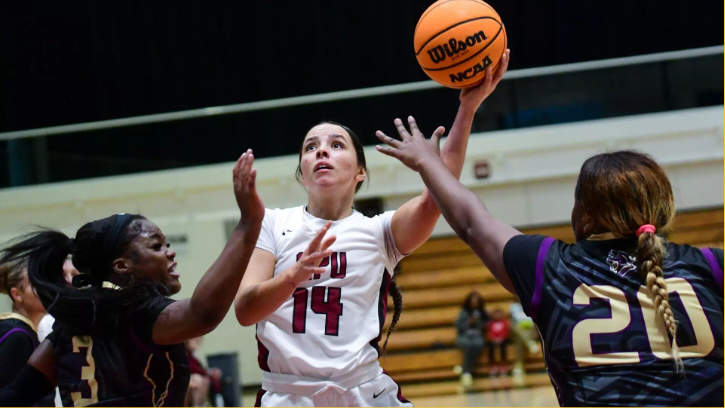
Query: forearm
453,152
216,290
457,204
259,300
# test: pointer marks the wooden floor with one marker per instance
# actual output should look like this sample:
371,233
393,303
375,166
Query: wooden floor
534,396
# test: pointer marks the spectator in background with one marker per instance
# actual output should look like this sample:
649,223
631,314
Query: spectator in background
204,384
497,332
470,324
523,334
18,338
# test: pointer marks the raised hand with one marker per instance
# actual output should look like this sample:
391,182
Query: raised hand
245,189
309,262
471,98
413,148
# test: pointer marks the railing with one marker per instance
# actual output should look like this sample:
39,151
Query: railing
528,97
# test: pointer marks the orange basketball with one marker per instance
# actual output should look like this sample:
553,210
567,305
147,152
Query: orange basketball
455,40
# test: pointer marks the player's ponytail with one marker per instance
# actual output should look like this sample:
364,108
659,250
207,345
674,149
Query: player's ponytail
397,295
628,194
650,253
89,305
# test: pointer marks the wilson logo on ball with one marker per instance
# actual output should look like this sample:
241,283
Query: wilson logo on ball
471,72
453,47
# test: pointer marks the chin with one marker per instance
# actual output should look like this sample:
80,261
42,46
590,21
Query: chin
174,287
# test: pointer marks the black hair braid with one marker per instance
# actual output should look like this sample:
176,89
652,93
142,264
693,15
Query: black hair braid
397,295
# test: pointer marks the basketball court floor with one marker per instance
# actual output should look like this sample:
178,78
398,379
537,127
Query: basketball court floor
521,397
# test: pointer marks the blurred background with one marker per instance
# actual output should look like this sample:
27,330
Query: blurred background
143,106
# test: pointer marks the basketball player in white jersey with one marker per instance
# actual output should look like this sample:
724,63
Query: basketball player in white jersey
319,303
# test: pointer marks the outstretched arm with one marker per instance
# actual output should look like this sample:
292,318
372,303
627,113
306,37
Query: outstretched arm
465,213
210,302
414,221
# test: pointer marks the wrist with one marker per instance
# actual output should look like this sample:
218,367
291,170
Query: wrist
288,277
468,109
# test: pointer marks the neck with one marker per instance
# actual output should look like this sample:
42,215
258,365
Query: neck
330,208
33,317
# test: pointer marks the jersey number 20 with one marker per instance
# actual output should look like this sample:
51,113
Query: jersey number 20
621,318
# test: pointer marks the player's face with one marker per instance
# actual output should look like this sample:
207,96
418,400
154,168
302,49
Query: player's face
30,301
329,160
153,259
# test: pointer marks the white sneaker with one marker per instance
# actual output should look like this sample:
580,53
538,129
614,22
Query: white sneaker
466,381
533,348
458,370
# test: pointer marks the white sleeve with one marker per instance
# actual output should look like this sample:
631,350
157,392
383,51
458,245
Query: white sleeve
266,234
45,327
390,250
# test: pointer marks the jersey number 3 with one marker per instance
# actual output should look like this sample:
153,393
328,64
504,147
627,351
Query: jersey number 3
84,346
621,319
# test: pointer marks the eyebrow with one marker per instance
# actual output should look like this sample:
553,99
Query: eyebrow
159,236
334,135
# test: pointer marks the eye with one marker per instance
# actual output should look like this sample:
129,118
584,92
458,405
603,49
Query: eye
168,245
309,147
337,145
156,247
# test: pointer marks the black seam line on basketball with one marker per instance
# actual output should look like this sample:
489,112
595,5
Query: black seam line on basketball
469,58
455,25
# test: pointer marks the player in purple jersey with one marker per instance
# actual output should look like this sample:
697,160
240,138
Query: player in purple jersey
625,317
118,340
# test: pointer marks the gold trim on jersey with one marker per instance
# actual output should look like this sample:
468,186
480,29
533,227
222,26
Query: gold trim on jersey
605,236
109,285
13,315
165,394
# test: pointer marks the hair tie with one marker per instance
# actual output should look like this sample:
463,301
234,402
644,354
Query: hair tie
82,280
646,228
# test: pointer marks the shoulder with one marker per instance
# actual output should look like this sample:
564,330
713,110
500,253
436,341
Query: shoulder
16,333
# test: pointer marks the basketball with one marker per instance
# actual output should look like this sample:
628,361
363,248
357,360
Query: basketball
456,40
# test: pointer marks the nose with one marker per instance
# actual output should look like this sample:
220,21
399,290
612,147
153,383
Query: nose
322,152
171,254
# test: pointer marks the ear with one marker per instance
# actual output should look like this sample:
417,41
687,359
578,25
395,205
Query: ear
15,295
122,265
588,224
361,175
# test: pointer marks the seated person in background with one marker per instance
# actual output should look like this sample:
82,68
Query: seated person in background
470,324
203,383
523,334
497,333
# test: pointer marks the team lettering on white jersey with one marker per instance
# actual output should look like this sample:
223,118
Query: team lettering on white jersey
332,323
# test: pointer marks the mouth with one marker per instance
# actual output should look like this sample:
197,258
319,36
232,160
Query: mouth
322,166
172,271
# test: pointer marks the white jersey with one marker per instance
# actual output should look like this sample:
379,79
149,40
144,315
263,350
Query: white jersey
332,323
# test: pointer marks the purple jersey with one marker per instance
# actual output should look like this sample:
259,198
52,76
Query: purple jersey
604,343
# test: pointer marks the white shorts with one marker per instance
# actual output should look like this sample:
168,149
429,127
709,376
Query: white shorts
370,388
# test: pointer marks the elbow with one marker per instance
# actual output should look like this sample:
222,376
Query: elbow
244,318
208,320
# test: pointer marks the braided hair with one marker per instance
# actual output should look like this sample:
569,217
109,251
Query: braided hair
397,295
89,305
622,192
